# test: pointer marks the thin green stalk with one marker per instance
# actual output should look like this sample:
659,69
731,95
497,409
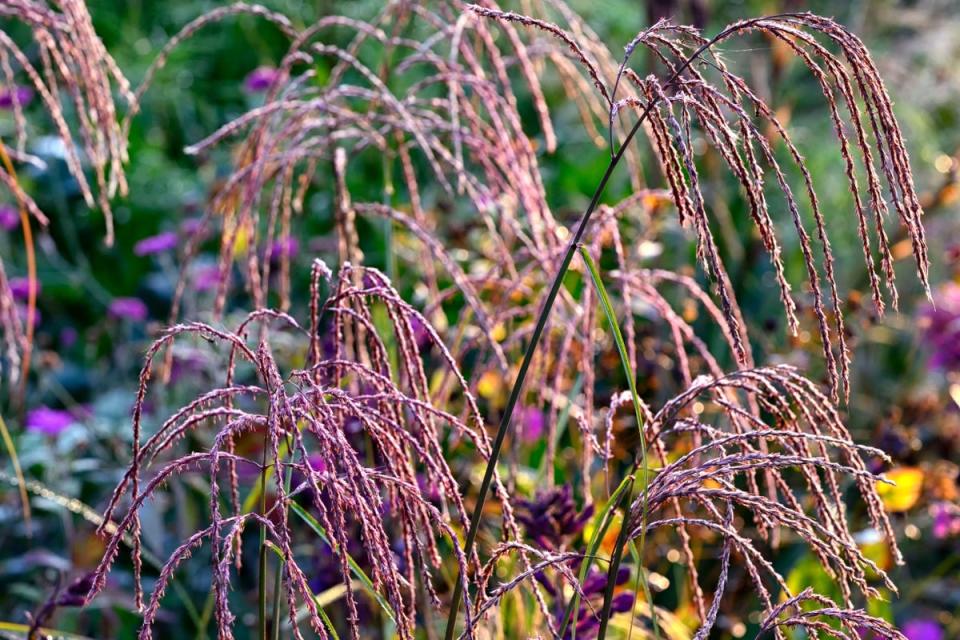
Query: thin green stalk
562,421
355,569
623,536
18,472
601,523
262,578
278,578
522,374
548,307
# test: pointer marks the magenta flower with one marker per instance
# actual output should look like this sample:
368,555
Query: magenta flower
49,421
9,96
156,244
317,463
20,288
946,520
923,629
260,79
532,423
128,309
9,217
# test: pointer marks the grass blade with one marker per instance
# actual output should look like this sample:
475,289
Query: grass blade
359,573
601,522
644,467
21,483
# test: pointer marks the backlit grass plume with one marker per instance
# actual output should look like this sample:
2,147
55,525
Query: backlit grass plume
359,437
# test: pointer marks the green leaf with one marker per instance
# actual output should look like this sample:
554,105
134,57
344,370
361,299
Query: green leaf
632,382
354,567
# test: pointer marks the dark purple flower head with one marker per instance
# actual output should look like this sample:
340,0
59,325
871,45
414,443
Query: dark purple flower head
596,581
941,328
20,288
128,309
9,96
552,519
593,588
76,594
156,244
49,421
622,602
923,629
260,79
9,217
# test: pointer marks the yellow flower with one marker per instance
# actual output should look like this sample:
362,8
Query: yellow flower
904,493
241,241
490,387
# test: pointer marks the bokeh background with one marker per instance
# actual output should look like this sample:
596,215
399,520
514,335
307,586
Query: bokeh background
99,307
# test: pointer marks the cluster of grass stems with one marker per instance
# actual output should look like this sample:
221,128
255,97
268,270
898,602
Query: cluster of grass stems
432,90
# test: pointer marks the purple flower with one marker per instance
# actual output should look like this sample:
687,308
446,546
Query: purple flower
68,336
593,588
23,311
622,602
189,364
941,328
946,520
552,519
9,96
20,288
288,248
191,226
156,244
922,629
9,217
206,277
76,594
260,79
49,421
532,423
128,308
317,463
420,333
